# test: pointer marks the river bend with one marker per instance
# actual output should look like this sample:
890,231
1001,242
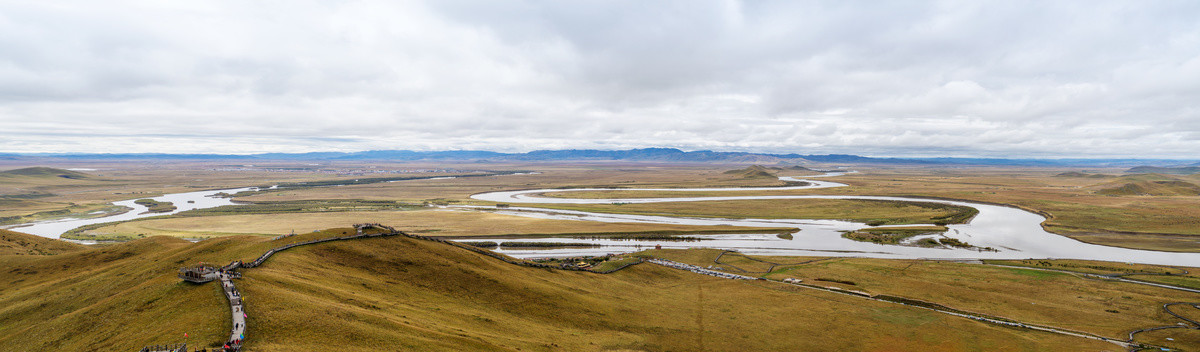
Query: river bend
1014,233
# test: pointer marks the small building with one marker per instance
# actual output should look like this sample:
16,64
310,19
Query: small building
199,273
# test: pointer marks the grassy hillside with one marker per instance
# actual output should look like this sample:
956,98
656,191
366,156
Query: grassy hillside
434,297
1082,175
404,294
119,297
1153,188
1186,170
15,243
44,172
36,184
754,171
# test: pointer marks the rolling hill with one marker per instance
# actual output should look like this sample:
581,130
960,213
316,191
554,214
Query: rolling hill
14,243
755,171
1184,170
1082,175
1153,188
44,172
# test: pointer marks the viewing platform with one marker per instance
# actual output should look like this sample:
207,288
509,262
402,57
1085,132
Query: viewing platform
199,273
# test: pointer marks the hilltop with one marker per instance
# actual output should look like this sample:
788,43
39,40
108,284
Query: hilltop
759,171
399,293
1083,175
44,172
755,171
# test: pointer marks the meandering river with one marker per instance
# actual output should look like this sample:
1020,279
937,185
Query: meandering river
182,201
1012,232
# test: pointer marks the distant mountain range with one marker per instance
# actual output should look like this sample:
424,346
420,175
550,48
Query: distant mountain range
643,155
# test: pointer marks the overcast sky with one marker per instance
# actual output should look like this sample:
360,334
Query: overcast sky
883,78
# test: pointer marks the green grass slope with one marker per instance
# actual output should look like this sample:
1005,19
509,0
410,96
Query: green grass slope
403,294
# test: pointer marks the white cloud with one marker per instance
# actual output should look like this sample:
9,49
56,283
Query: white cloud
1018,78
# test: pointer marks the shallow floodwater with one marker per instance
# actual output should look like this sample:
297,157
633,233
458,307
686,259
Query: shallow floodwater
199,200
1014,233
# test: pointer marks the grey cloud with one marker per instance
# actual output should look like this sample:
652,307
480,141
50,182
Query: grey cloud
1064,78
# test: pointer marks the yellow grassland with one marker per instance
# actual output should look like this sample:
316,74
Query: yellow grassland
1106,308
12,243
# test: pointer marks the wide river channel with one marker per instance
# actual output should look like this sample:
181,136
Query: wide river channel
1012,232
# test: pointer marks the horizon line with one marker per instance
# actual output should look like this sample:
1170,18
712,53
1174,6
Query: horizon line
774,154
